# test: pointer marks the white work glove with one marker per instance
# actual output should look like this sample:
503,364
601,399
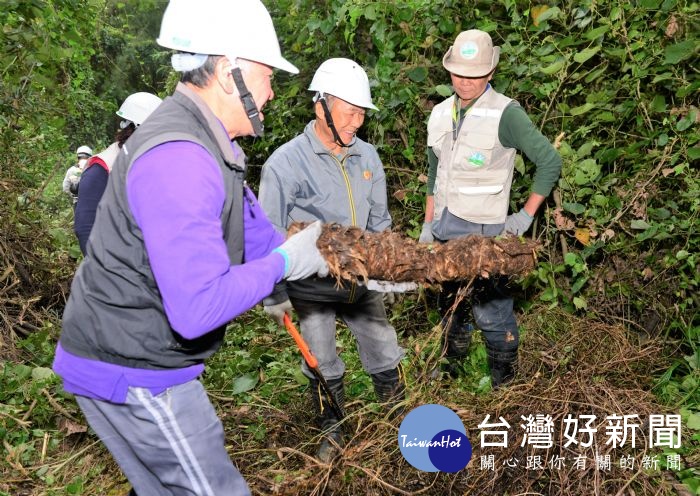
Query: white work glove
277,311
301,256
426,233
518,224
390,287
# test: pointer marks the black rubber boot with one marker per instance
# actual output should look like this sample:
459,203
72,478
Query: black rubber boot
503,364
456,339
390,389
327,419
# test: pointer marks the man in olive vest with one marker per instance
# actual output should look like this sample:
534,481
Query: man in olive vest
473,137
180,247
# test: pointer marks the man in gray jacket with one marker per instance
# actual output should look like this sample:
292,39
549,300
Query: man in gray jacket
327,173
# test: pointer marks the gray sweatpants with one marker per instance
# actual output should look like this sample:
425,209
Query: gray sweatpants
169,444
366,318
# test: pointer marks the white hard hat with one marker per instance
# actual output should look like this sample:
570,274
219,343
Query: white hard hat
84,150
138,106
345,79
240,29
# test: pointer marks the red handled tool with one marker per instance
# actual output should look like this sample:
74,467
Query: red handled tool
312,363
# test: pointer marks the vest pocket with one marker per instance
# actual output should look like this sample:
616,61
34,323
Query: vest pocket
479,196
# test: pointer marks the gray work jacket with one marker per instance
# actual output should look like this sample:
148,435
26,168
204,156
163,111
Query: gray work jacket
302,181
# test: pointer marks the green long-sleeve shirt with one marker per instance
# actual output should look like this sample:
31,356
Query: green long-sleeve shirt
516,130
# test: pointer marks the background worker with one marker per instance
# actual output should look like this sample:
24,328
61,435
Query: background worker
71,181
180,247
329,174
134,111
473,137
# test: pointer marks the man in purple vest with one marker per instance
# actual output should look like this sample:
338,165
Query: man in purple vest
180,247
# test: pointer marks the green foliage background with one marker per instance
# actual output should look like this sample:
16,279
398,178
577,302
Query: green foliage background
615,84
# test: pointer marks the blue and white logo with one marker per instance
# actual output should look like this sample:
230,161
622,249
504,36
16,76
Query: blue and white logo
432,438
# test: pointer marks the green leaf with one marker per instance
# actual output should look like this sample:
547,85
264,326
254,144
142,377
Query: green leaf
682,255
597,32
41,373
658,104
22,371
693,360
417,74
581,109
693,422
639,225
244,383
580,303
694,153
685,122
693,484
443,90
576,286
299,376
553,68
585,149
597,73
586,54
679,51
586,171
550,13
574,208
651,232
571,258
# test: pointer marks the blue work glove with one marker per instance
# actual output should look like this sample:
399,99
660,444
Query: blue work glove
518,224
276,311
301,256
426,234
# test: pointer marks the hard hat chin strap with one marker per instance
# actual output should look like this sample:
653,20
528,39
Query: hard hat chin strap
329,121
251,109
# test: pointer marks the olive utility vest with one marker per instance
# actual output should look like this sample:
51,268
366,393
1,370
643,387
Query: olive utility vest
115,312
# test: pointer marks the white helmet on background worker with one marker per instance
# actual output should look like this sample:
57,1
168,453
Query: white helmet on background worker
138,106
345,79
84,152
240,29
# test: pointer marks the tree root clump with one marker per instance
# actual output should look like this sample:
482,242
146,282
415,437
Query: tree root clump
356,255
